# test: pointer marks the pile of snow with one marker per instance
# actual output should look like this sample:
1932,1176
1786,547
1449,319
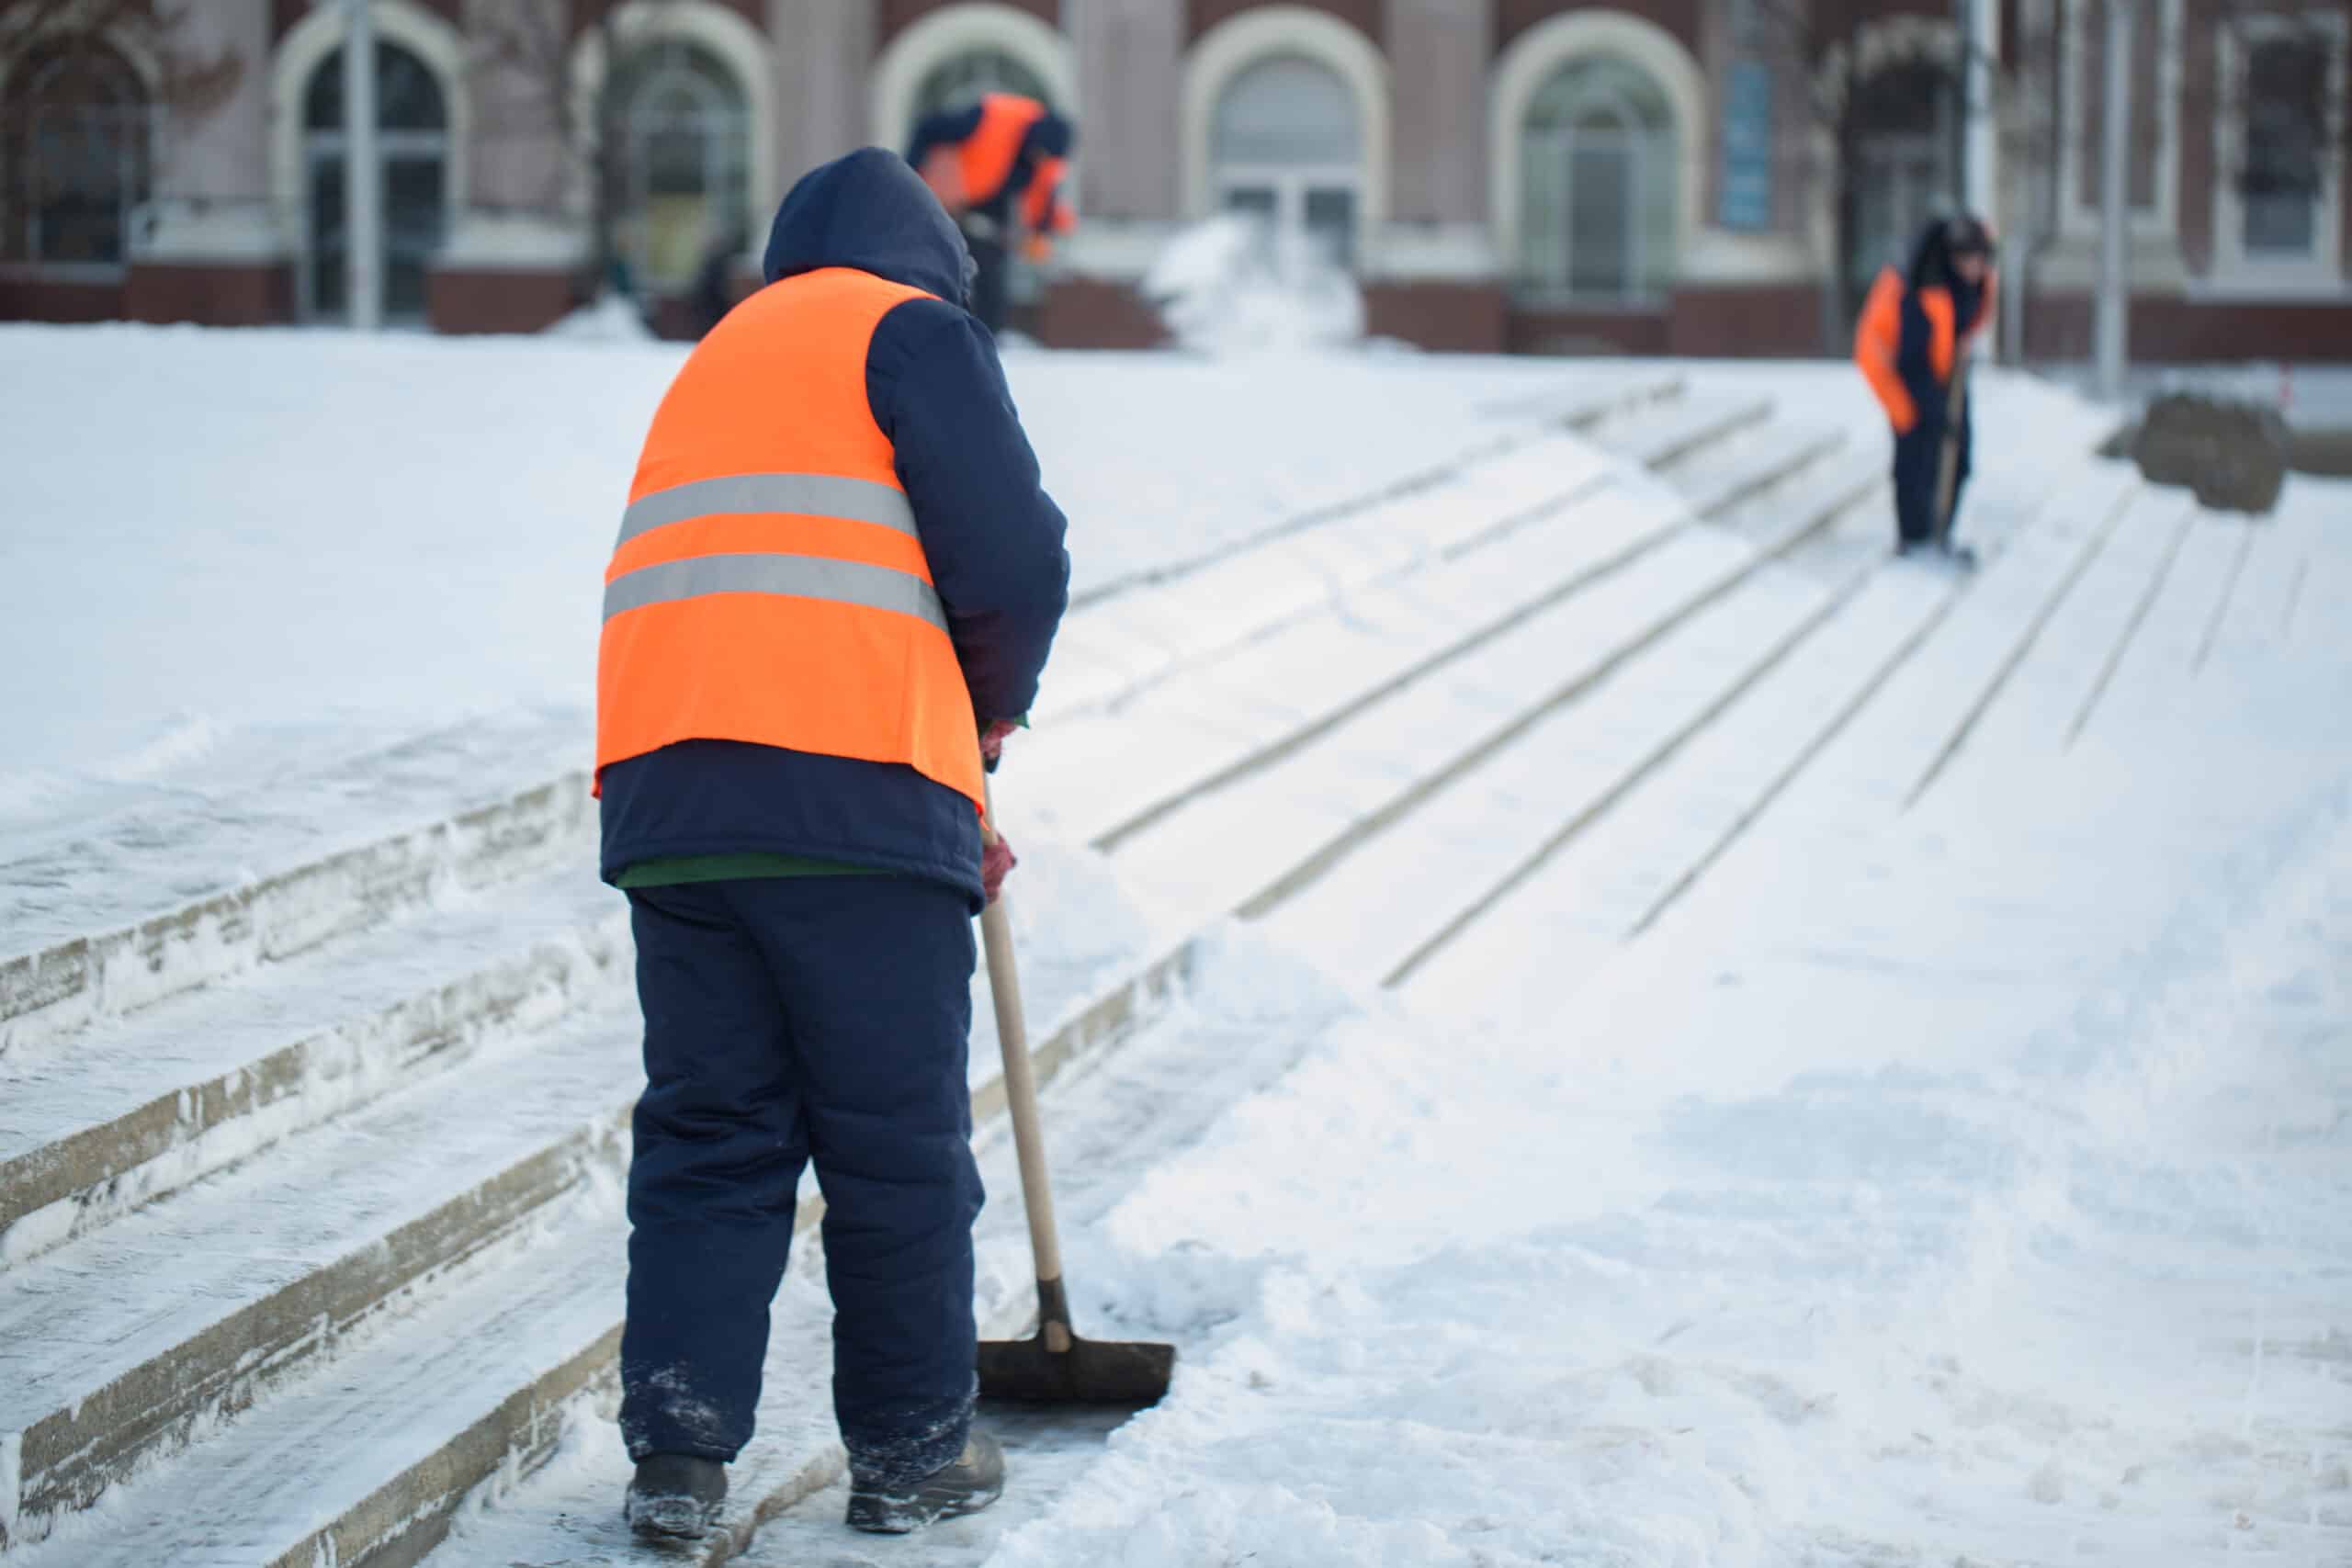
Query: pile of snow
1236,285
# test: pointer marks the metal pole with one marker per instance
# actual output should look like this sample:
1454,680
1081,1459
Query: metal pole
1983,37
2115,204
363,189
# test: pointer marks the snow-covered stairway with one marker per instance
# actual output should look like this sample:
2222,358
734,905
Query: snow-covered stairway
374,1151
260,1151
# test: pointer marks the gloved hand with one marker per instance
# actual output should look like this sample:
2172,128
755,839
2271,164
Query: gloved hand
997,861
992,742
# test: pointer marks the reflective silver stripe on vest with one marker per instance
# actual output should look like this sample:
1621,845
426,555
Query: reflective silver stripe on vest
819,495
802,576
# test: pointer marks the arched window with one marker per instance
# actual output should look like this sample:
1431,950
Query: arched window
2286,95
413,166
1287,144
77,155
681,176
969,77
1599,161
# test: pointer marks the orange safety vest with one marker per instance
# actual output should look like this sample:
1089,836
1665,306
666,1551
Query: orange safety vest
1878,338
769,584
986,157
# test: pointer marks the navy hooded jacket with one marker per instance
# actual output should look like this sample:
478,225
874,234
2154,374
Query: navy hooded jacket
991,535
1932,268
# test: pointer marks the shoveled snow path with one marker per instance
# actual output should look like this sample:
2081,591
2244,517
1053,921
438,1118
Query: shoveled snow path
2062,1278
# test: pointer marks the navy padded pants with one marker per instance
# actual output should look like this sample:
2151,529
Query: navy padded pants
788,1021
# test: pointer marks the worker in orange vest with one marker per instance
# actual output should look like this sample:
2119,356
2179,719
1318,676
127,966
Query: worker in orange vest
1911,344
998,166
836,584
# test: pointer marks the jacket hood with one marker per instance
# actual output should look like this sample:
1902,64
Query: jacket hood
869,211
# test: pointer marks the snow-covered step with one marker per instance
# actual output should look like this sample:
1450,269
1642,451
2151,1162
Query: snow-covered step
1913,714
1755,464
2059,680
137,1107
2183,621
1537,938
1106,774
1422,879
249,1277
1525,955
1905,742
1537,419
318,882
2283,546
1107,651
272,1265
1590,396
1255,840
1664,435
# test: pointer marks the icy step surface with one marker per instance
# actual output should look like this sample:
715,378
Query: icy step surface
2065,674
1311,807
107,858
2261,614
52,992
2183,621
133,1109
1662,434
1523,957
249,1275
1099,777
373,1450
272,1264
1105,651
1372,910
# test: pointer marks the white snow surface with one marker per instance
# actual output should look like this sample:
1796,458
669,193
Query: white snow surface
332,533
1971,1185
1918,1256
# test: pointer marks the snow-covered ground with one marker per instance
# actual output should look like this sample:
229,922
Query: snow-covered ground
208,534
1951,1175
1948,1248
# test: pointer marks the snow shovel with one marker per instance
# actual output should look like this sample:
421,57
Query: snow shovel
1947,473
1055,1367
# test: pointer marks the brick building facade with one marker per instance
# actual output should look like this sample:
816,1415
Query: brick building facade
1701,176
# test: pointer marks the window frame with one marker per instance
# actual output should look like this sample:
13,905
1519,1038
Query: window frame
319,144
1648,148
1294,180
137,155
2234,267
725,162
2081,54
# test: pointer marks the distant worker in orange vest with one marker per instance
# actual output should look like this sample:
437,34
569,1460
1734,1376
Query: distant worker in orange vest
1911,344
998,167
837,581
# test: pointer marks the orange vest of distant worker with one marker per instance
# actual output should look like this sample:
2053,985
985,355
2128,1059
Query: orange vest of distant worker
1878,338
985,159
769,584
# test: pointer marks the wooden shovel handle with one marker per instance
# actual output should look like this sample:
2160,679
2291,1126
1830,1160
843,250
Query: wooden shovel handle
1021,1101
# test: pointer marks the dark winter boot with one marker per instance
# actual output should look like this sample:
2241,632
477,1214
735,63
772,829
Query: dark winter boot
1960,555
676,1497
963,1485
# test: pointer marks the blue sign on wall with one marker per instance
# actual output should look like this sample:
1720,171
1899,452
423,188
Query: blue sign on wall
1746,201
